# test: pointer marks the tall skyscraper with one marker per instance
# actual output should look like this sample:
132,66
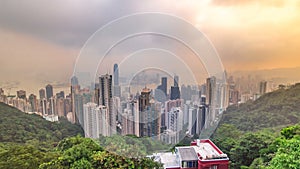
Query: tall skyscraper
161,90
211,96
175,92
74,81
49,91
76,102
105,86
116,75
42,94
144,103
176,81
105,99
116,85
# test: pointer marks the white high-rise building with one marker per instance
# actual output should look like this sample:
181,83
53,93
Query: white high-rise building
95,120
175,119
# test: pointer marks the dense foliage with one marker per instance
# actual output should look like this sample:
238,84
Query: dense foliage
254,136
132,146
19,127
78,152
29,141
278,108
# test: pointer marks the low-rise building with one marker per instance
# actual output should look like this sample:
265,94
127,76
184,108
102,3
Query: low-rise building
202,154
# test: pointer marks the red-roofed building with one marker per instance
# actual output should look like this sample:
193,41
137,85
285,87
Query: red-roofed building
202,154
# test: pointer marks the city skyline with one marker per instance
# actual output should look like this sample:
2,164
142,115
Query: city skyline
42,49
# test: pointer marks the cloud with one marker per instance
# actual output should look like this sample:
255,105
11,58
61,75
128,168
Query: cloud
46,36
274,3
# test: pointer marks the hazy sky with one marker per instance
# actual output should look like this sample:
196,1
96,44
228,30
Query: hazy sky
40,40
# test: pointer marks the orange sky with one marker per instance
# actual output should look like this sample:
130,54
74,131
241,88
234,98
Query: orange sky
40,42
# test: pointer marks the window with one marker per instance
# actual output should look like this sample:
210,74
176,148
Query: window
213,167
184,164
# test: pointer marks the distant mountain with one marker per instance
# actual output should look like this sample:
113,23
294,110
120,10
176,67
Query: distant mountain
19,127
278,108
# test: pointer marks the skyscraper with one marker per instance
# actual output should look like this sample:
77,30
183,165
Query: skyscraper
33,103
42,94
262,87
153,120
144,103
74,81
175,92
95,122
116,75
211,96
49,91
117,87
105,99
105,93
161,90
176,81
76,102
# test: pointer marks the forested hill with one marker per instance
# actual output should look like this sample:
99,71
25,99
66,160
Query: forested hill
30,142
278,108
19,127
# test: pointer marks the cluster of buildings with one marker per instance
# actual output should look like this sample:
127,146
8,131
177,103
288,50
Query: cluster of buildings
162,113
48,105
243,89
165,112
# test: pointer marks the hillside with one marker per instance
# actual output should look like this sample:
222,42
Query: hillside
255,134
19,127
278,108
29,142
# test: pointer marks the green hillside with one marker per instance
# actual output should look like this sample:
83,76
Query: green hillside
19,127
278,108
30,142
255,134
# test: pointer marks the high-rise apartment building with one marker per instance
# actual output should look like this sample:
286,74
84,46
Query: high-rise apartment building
95,120
33,103
105,99
49,91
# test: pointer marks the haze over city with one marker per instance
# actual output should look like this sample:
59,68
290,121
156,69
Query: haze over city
41,41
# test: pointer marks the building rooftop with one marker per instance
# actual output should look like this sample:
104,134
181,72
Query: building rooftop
207,150
201,154
187,153
168,159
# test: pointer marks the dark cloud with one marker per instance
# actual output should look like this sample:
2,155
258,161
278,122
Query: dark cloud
67,23
70,23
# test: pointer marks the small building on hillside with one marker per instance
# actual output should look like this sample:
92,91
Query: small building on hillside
201,154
